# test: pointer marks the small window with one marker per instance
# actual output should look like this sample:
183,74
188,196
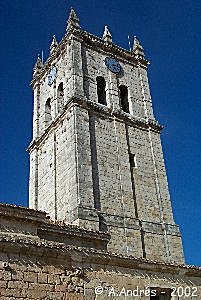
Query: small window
60,97
101,93
132,160
123,93
48,116
102,224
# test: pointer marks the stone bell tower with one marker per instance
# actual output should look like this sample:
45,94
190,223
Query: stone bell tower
96,159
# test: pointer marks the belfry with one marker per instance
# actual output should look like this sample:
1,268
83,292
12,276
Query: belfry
96,159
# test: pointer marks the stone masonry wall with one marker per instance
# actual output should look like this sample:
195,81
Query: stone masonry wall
84,160
31,277
81,168
42,259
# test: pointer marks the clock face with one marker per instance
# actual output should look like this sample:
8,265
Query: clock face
112,64
52,75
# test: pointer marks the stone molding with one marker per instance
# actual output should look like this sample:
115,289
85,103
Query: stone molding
121,221
56,250
102,109
23,223
38,267
19,212
91,41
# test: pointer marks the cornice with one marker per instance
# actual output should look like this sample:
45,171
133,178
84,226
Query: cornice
73,231
29,214
20,212
102,109
12,241
115,50
98,257
92,41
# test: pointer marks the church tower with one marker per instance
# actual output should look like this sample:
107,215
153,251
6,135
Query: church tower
96,159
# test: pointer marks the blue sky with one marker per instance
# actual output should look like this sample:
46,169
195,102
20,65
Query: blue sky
170,32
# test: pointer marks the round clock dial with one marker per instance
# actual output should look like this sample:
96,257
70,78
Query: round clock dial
52,75
112,64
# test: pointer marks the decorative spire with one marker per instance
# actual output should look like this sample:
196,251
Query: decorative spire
38,65
54,44
107,37
73,21
138,49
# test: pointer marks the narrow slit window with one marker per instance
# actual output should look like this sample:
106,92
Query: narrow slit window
48,116
123,93
132,160
101,93
60,97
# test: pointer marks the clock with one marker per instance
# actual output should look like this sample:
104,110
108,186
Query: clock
52,75
112,64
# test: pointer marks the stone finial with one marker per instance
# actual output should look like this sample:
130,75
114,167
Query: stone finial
38,65
107,37
138,49
54,44
73,21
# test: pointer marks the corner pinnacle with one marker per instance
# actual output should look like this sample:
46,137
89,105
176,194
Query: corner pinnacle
138,49
107,37
38,65
54,44
73,20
